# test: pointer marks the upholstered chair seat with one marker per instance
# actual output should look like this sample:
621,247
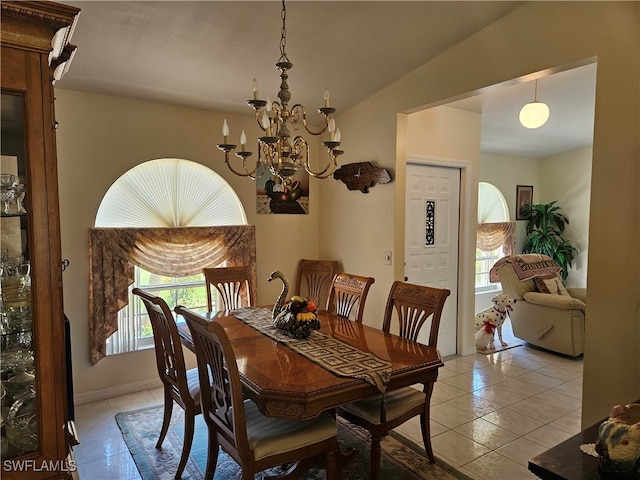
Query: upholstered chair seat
397,403
269,436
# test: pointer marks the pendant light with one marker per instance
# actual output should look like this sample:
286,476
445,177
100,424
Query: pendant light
534,114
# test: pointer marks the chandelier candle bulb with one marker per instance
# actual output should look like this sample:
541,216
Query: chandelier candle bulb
225,130
255,89
243,140
337,135
268,107
326,97
331,128
266,123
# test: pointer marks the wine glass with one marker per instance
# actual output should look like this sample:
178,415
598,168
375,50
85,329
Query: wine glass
20,191
7,196
7,180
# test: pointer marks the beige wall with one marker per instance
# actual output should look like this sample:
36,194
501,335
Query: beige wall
537,36
567,178
101,137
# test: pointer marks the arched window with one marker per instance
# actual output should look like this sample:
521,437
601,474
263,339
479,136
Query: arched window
496,234
168,193
492,207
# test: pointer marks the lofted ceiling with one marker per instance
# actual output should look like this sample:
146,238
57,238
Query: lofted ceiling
205,54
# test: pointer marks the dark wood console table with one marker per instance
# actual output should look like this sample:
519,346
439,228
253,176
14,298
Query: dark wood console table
566,461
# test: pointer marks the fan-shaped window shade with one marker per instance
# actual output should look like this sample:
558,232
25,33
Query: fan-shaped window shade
170,192
492,207
496,234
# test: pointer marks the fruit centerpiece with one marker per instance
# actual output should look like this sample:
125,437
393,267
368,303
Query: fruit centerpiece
298,318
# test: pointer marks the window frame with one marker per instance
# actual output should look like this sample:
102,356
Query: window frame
136,314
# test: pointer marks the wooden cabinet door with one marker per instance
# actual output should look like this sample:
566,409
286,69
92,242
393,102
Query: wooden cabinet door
35,438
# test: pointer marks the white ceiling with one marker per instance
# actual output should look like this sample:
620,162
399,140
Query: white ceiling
205,54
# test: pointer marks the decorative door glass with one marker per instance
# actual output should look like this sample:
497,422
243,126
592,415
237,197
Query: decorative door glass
19,415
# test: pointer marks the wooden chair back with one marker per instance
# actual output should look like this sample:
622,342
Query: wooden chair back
314,274
413,305
181,386
227,414
233,284
169,354
345,292
223,405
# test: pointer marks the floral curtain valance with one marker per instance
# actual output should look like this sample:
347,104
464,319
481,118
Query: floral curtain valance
113,253
493,235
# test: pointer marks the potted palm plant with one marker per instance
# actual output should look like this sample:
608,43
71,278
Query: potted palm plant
545,228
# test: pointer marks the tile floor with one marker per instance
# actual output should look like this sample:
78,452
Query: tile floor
489,415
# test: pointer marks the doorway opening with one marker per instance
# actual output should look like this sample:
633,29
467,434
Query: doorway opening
557,165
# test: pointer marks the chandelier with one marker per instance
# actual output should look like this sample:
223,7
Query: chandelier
278,153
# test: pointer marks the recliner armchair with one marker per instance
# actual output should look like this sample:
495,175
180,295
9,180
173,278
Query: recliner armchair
554,321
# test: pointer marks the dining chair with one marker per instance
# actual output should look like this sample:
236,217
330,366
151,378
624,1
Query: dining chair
313,274
345,292
180,385
233,284
412,306
256,442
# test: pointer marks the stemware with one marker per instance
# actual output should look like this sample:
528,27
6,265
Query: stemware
20,192
19,381
22,421
7,196
7,191
7,180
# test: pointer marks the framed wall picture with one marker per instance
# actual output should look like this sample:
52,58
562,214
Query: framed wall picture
524,196
275,195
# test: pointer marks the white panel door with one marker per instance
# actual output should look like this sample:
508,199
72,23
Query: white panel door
431,240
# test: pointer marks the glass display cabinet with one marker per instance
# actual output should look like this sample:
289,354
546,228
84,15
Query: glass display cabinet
36,433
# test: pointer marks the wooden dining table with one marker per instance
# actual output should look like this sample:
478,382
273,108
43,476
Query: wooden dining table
285,384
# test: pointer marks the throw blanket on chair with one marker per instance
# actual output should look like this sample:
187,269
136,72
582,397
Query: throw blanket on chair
526,266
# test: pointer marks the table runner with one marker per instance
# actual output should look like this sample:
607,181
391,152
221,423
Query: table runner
333,355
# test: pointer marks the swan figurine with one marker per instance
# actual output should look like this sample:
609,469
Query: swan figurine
281,301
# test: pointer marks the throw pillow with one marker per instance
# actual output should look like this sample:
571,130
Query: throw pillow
551,284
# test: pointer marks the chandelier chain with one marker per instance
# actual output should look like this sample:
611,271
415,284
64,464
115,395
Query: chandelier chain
283,34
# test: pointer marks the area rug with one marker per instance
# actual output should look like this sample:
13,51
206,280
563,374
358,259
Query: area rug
140,429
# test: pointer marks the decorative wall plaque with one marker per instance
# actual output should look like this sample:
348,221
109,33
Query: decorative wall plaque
362,176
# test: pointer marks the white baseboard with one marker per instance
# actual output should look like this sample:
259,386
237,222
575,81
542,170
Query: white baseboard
106,393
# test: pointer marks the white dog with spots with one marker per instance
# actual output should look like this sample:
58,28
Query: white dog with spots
491,319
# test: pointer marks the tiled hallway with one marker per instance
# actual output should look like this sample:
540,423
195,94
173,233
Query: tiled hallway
489,415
